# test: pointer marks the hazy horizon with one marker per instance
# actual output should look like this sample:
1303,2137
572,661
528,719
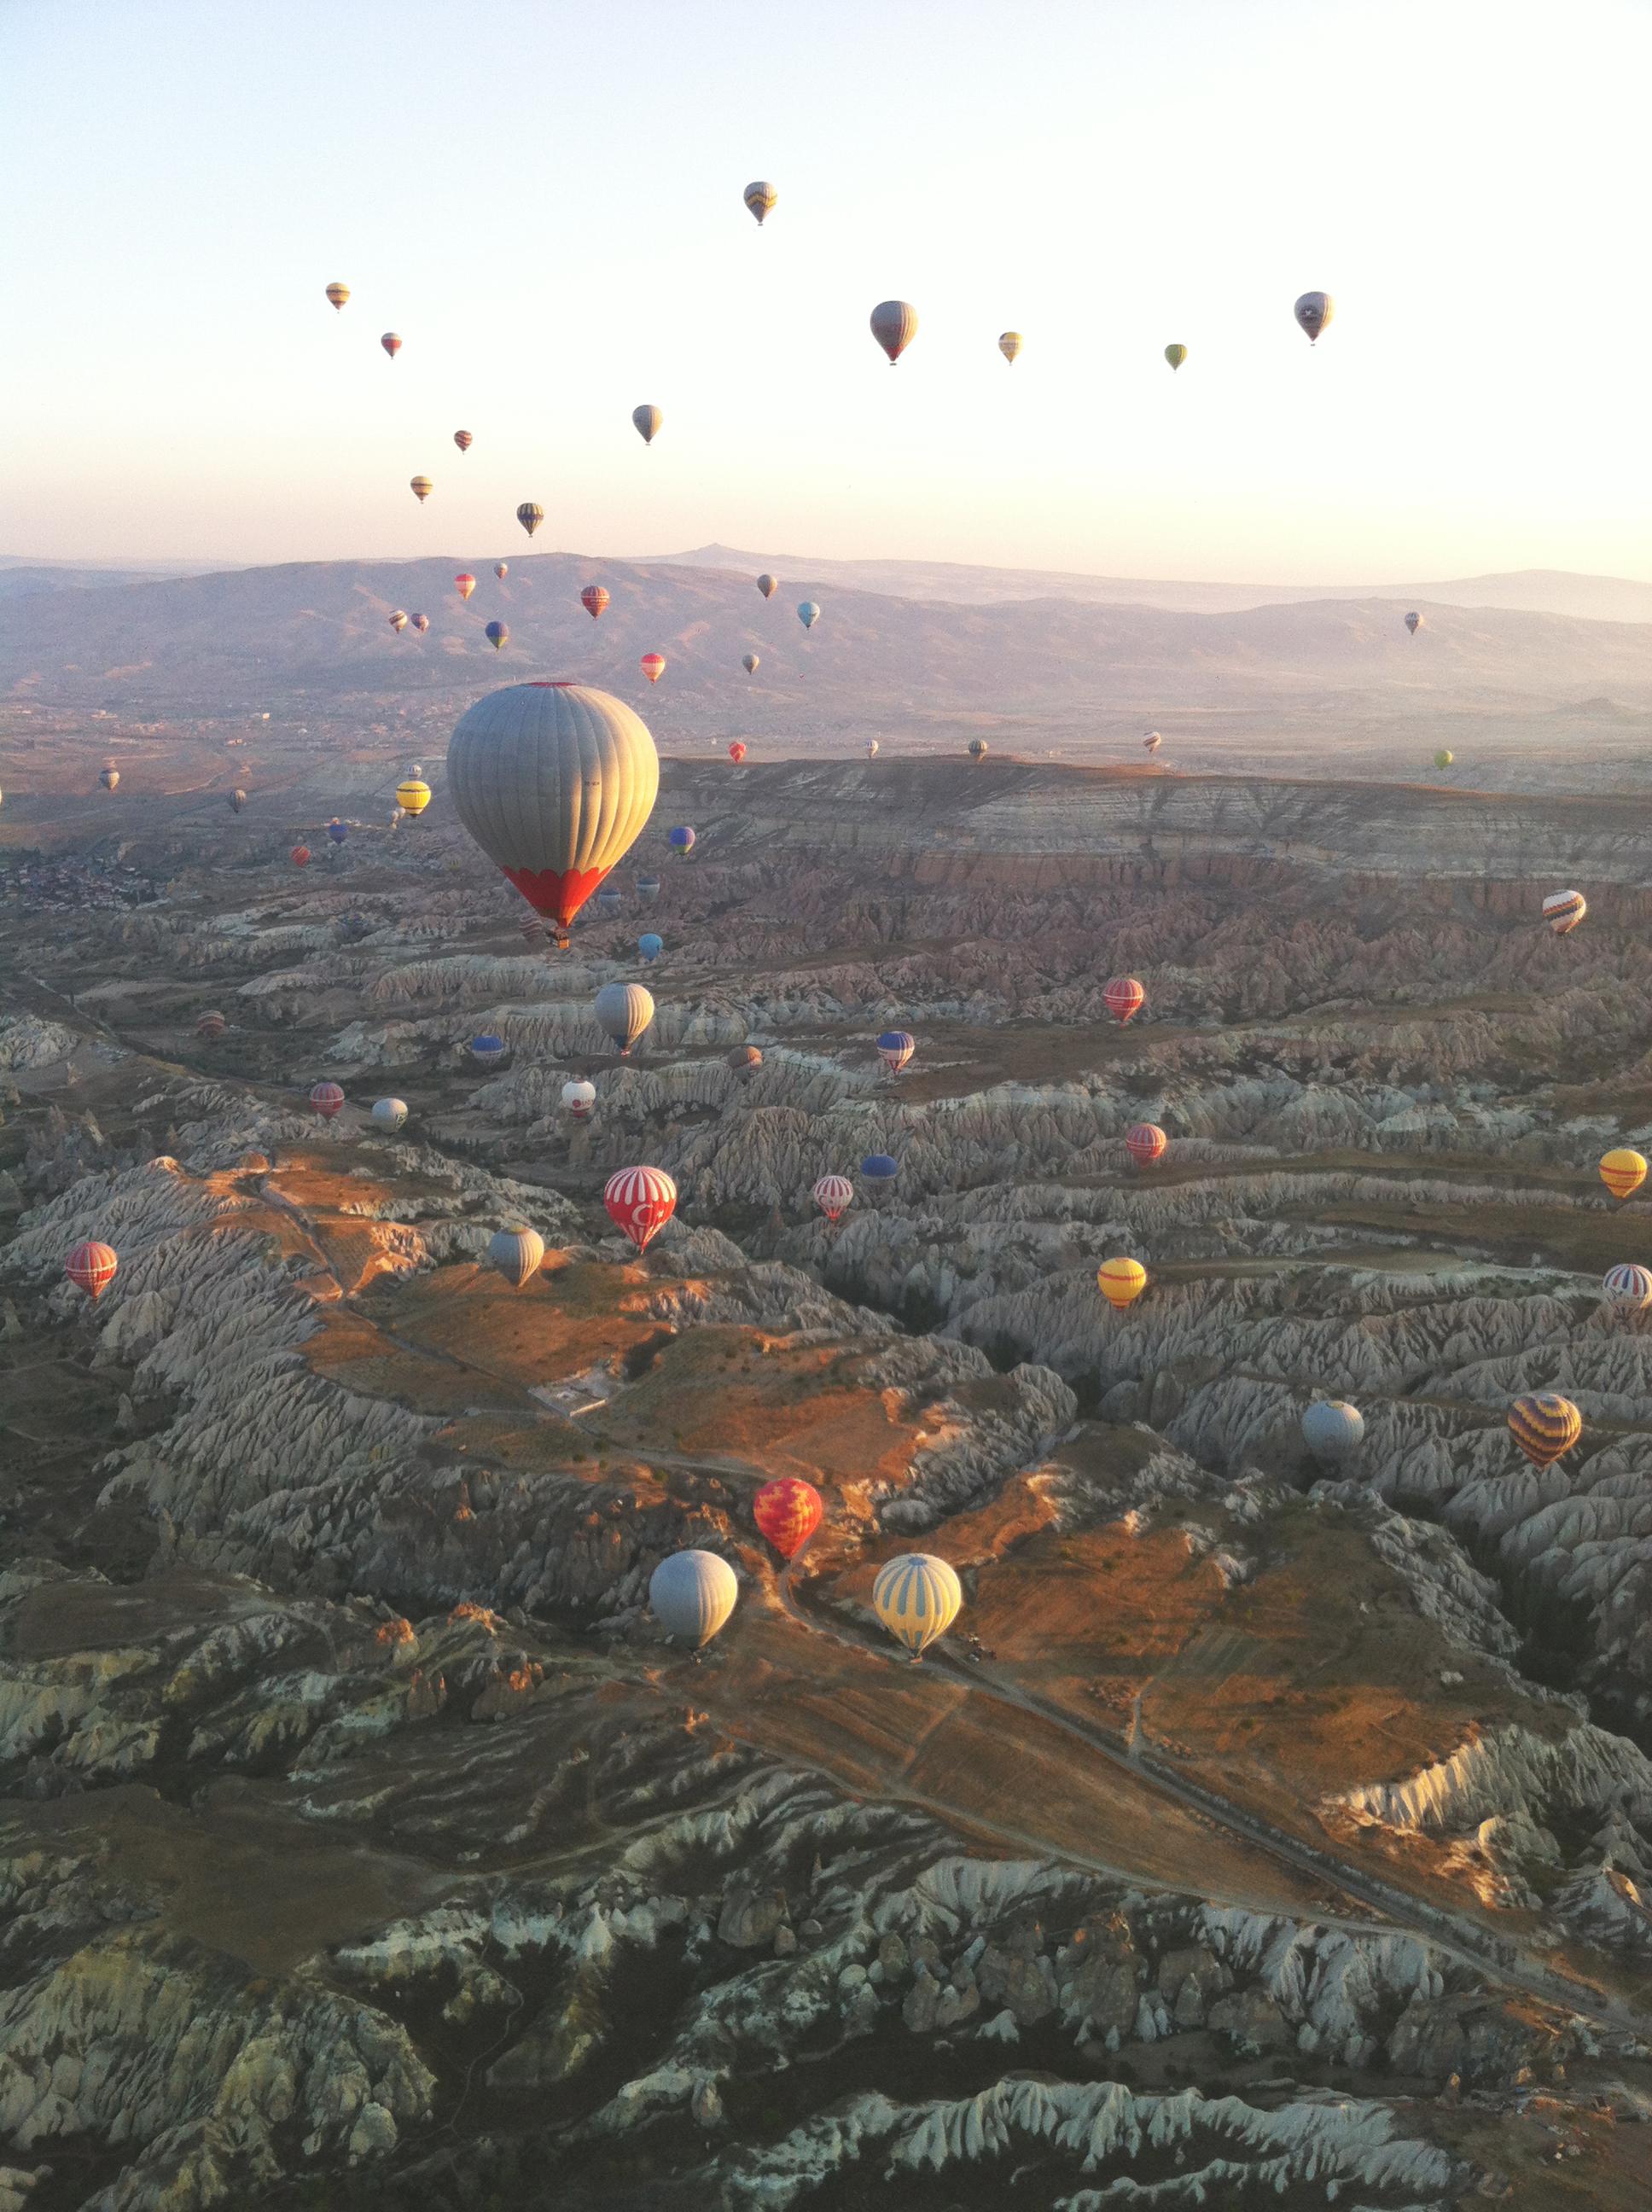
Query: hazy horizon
1106,179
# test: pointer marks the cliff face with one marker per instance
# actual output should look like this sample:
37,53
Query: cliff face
1258,1823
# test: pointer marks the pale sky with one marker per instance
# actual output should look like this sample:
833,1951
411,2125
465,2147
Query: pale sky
544,200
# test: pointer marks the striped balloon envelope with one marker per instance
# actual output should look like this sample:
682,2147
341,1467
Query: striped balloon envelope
647,422
760,197
639,1202
833,1194
413,795
488,1048
210,1025
593,599
465,583
917,1597
392,343
327,1099
299,856
737,752
1629,1288
653,665
91,1267
1545,1426
1622,1172
1122,1282
894,1048
1124,996
1145,1143
1564,911
787,1512
894,325
338,294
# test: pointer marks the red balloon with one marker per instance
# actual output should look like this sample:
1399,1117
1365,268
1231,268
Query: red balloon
737,752
789,1512
639,1202
1124,996
593,599
653,667
300,856
91,1267
1145,1143
327,1099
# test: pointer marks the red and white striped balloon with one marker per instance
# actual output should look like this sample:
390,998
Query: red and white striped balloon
1125,996
327,1099
833,1193
639,1202
91,1267
1145,1143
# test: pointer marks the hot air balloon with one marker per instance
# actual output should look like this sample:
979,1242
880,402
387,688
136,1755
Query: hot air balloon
554,780
917,1597
639,1202
1151,742
517,1254
392,343
497,635
1546,1426
1414,624
211,1026
692,1595
237,800
1145,1143
769,584
647,421
894,1048
91,1267
833,1194
623,1012
593,599
1314,311
979,748
1175,355
894,325
109,777
1623,1172
502,568
1629,1288
608,901
650,947
1123,997
464,584
879,1168
1332,1431
413,794
299,856
1009,344
422,623
760,198
787,1512
390,1113
1564,911
681,840
420,488
808,614
488,1048
1122,1282
745,1059
750,664
397,621
328,1100
337,830
580,1099
647,889
530,516
653,665
338,294
464,440
1442,758
737,752
532,929
872,748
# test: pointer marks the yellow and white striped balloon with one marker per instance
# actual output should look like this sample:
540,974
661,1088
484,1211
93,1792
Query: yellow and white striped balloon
917,1598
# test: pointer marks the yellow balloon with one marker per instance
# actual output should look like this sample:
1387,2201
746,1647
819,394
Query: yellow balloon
1009,344
1623,1172
1122,1282
917,1598
413,796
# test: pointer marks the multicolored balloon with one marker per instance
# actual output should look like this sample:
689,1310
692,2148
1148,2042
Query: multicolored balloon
647,421
681,840
789,1512
397,621
1413,623
337,830
554,782
1546,1426
465,584
894,1048
392,343
653,665
593,599
497,635
1564,911
109,777
693,1594
420,488
769,584
894,325
917,1597
516,1254
580,1099
299,856
833,1194
1151,742
338,294
91,1267
760,197
464,440
1314,311
530,515
488,1048
750,664
1175,355
1629,1288
328,1101
422,623
1120,1282
237,800
623,1012
502,568
979,748
639,1202
1009,344
1124,998
1622,1172
211,1026
1145,1143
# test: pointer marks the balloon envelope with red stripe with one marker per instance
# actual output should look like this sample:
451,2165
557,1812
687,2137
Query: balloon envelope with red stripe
1546,1426
1145,1143
654,666
328,1100
1124,996
593,599
1629,1288
833,1194
1564,911
639,1202
787,1512
91,1267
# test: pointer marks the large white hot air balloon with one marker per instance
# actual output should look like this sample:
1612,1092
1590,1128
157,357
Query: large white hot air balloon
554,782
